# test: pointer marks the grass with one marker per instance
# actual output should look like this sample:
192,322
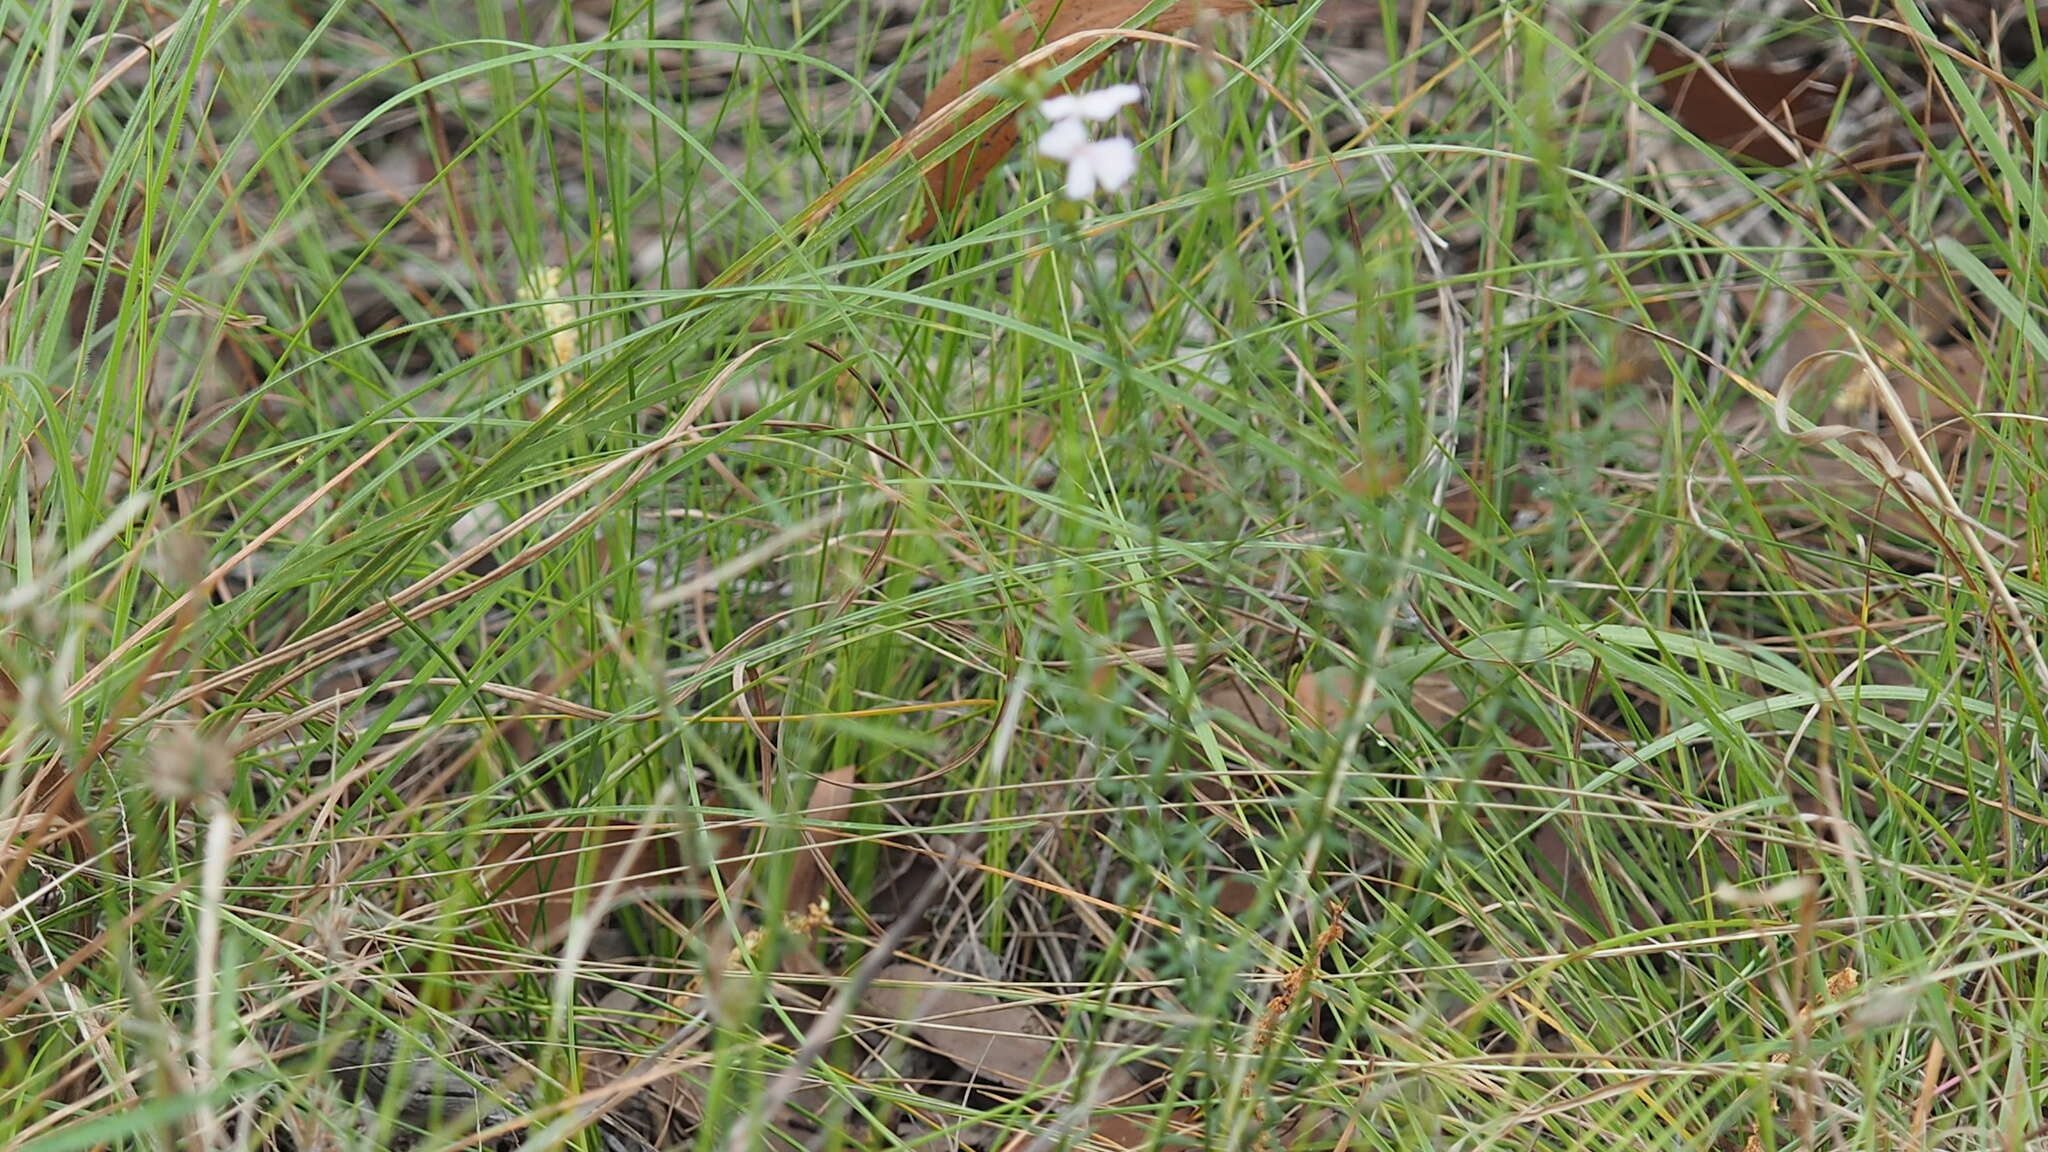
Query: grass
1363,641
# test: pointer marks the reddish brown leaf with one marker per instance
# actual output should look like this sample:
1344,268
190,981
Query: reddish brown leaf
535,879
948,182
1795,103
831,800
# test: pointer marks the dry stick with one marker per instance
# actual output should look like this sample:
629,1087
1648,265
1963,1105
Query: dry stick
1804,1067
212,895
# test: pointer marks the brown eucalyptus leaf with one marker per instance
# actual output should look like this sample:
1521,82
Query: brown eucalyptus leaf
989,1038
665,1100
1239,697
1436,698
534,879
1324,697
948,182
1794,102
831,801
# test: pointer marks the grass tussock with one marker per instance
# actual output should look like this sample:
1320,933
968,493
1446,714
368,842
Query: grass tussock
1484,598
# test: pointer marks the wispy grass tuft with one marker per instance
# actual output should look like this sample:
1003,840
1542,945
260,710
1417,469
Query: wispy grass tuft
1380,636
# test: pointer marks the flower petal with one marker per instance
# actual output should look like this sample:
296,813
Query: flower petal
1111,162
1107,102
1063,141
1080,177
1099,105
1060,108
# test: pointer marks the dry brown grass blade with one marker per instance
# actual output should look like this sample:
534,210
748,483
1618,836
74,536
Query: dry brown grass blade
198,593
1914,475
56,785
948,182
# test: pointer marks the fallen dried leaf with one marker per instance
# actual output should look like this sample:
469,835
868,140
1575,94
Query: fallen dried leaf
1734,117
534,880
1240,698
1375,477
831,801
1324,697
948,182
1237,895
995,1039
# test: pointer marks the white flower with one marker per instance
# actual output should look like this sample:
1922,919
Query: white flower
1097,106
1091,164
1107,164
